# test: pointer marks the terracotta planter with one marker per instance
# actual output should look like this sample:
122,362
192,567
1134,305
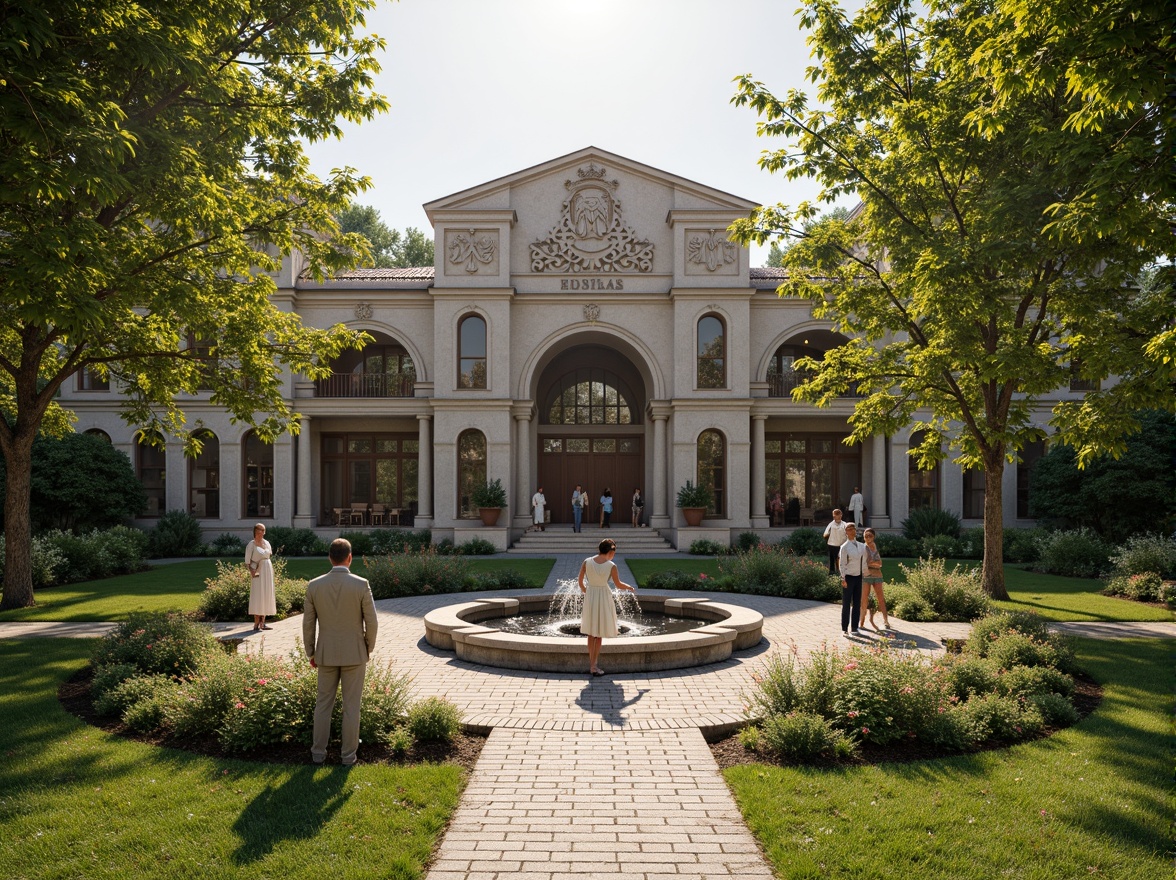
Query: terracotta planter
489,515
694,515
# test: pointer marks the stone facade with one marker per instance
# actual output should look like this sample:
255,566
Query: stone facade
586,320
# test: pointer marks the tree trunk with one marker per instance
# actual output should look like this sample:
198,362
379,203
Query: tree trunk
992,573
18,547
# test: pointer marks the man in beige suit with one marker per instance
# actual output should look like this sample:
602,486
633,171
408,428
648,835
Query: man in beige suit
341,604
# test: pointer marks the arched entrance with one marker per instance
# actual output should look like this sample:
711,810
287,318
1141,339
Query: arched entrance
591,401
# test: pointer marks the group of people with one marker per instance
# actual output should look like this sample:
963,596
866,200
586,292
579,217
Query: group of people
580,502
860,566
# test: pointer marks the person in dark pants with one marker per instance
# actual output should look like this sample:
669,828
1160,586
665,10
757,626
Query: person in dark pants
851,561
834,538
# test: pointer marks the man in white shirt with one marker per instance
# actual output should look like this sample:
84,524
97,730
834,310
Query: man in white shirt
851,562
856,505
834,538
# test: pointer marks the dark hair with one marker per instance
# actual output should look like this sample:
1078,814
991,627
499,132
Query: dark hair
608,493
339,551
607,546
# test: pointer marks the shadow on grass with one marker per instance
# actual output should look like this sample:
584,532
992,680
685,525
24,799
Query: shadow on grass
297,808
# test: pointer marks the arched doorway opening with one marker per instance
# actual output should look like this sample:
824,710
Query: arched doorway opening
591,402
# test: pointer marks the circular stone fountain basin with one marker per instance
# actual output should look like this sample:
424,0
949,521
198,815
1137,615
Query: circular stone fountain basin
720,629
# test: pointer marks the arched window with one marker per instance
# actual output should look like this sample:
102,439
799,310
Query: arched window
471,352
712,353
150,467
712,471
100,434
258,479
204,478
590,396
923,486
471,471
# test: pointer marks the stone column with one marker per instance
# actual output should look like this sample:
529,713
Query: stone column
424,517
521,411
759,517
303,516
878,510
661,515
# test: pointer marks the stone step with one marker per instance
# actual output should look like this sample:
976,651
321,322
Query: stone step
563,540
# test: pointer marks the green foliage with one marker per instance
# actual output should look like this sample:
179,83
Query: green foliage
886,695
1022,545
504,579
951,595
691,495
906,604
95,555
930,521
808,579
1055,709
295,542
411,574
1079,553
79,483
969,675
108,677
704,547
391,541
970,545
806,541
46,561
388,248
1009,647
996,624
804,738
1005,719
1146,587
226,595
489,494
362,543
1146,553
901,122
434,720
891,546
225,544
476,547
167,644
672,579
140,701
1029,681
1117,498
177,533
747,540
939,545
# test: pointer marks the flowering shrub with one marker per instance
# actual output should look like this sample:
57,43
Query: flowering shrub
1019,638
146,708
386,541
673,579
117,698
1030,681
96,554
226,596
775,571
1006,719
108,677
210,693
972,675
808,579
46,561
410,574
506,579
803,737
884,695
434,720
295,542
1144,587
1144,554
805,541
168,644
951,595
703,547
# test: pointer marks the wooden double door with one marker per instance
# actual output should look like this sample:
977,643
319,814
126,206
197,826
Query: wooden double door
596,462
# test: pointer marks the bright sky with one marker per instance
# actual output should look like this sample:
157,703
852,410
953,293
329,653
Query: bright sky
484,88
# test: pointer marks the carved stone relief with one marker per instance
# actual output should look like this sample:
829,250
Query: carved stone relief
591,236
469,251
709,249
591,313
363,311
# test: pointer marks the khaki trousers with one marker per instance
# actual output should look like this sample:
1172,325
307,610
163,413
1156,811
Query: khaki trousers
329,679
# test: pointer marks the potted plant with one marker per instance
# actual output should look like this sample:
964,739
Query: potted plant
489,498
694,501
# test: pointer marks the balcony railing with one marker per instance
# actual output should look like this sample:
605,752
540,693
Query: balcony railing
365,385
781,385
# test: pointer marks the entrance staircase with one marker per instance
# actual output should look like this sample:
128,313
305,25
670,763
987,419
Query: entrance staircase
561,539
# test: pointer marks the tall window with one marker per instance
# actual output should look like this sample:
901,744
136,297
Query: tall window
471,355
259,477
471,471
202,350
590,396
204,478
812,472
923,486
712,471
380,370
363,469
1031,453
150,466
712,353
90,380
974,494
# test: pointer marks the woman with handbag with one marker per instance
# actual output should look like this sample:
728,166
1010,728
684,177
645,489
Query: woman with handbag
262,601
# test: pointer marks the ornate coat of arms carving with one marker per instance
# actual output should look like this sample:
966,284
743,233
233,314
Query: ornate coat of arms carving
590,236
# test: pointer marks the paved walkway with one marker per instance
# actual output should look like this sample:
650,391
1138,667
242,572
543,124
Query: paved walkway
588,776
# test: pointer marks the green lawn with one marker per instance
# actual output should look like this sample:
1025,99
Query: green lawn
178,586
76,802
1091,801
1053,597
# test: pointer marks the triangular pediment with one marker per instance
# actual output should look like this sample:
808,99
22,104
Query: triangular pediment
495,194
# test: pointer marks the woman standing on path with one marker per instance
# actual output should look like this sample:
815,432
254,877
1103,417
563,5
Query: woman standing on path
262,601
873,580
598,620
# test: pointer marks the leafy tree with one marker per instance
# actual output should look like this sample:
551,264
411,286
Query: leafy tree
389,249
1116,497
779,248
81,483
964,300
154,176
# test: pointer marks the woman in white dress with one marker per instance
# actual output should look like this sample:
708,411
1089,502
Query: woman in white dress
599,618
262,601
538,507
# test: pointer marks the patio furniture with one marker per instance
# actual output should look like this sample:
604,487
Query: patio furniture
379,515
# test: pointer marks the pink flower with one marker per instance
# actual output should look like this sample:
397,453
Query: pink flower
852,714
263,681
238,706
907,690
851,665
149,647
865,730
702,576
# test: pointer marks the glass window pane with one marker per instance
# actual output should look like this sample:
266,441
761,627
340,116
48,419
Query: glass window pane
332,445
603,445
473,337
578,445
411,447
820,484
821,445
387,445
795,446
360,472
772,446
552,445
359,444
387,481
630,446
